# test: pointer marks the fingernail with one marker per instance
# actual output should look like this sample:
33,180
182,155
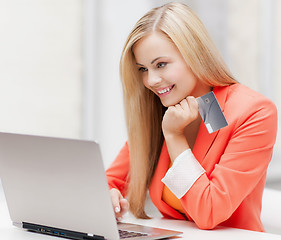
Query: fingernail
119,219
117,209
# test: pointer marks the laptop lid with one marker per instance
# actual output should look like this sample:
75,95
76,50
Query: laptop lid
56,182
58,186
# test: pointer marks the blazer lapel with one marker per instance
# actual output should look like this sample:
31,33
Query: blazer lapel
205,140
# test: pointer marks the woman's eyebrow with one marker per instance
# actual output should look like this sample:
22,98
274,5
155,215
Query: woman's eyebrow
153,61
156,59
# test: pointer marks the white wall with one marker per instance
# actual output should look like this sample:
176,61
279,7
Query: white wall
40,67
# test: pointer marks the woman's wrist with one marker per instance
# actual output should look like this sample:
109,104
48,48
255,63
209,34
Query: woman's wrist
176,144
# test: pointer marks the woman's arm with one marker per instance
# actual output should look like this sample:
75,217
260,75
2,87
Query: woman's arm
117,180
174,122
117,172
212,198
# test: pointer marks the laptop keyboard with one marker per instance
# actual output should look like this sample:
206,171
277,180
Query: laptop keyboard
129,234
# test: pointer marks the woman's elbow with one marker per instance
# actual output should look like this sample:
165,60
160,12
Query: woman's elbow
205,225
210,223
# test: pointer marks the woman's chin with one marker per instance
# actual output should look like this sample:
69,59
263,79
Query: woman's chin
169,103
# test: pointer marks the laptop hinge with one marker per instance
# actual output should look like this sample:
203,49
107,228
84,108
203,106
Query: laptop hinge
60,232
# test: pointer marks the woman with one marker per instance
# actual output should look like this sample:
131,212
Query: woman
211,179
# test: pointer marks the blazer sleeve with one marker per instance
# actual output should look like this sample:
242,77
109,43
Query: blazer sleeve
215,196
117,173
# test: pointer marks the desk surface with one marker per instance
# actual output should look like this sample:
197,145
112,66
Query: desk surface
190,231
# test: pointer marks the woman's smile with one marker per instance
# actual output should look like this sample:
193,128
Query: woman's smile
165,91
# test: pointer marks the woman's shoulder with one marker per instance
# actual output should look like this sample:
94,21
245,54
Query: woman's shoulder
243,97
242,104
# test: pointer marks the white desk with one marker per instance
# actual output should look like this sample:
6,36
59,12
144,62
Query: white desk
190,231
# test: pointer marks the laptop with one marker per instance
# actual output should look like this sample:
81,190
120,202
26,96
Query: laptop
58,186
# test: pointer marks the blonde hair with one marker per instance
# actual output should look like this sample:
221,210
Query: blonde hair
143,109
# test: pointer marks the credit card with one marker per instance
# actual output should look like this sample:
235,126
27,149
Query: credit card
211,112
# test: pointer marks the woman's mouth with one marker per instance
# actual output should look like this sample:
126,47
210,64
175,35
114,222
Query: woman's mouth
165,90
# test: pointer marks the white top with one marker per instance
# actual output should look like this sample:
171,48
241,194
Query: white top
183,173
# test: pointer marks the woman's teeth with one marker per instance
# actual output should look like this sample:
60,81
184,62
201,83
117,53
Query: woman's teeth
165,90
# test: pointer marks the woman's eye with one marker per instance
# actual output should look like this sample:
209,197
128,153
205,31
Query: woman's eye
142,69
161,64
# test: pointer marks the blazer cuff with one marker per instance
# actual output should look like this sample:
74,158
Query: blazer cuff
183,173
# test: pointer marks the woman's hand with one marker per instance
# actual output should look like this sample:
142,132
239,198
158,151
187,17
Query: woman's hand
120,204
175,120
177,117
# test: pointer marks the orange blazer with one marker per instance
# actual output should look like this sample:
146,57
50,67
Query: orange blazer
235,159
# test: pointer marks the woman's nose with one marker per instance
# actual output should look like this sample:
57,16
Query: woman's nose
153,79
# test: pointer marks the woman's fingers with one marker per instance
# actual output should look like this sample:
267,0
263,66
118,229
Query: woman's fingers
184,104
124,208
193,106
179,116
120,204
115,198
188,107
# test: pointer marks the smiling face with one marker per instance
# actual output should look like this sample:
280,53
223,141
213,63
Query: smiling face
164,70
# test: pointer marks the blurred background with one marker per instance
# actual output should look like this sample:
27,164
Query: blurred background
59,63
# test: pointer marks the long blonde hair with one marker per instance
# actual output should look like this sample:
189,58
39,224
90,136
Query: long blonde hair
143,109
